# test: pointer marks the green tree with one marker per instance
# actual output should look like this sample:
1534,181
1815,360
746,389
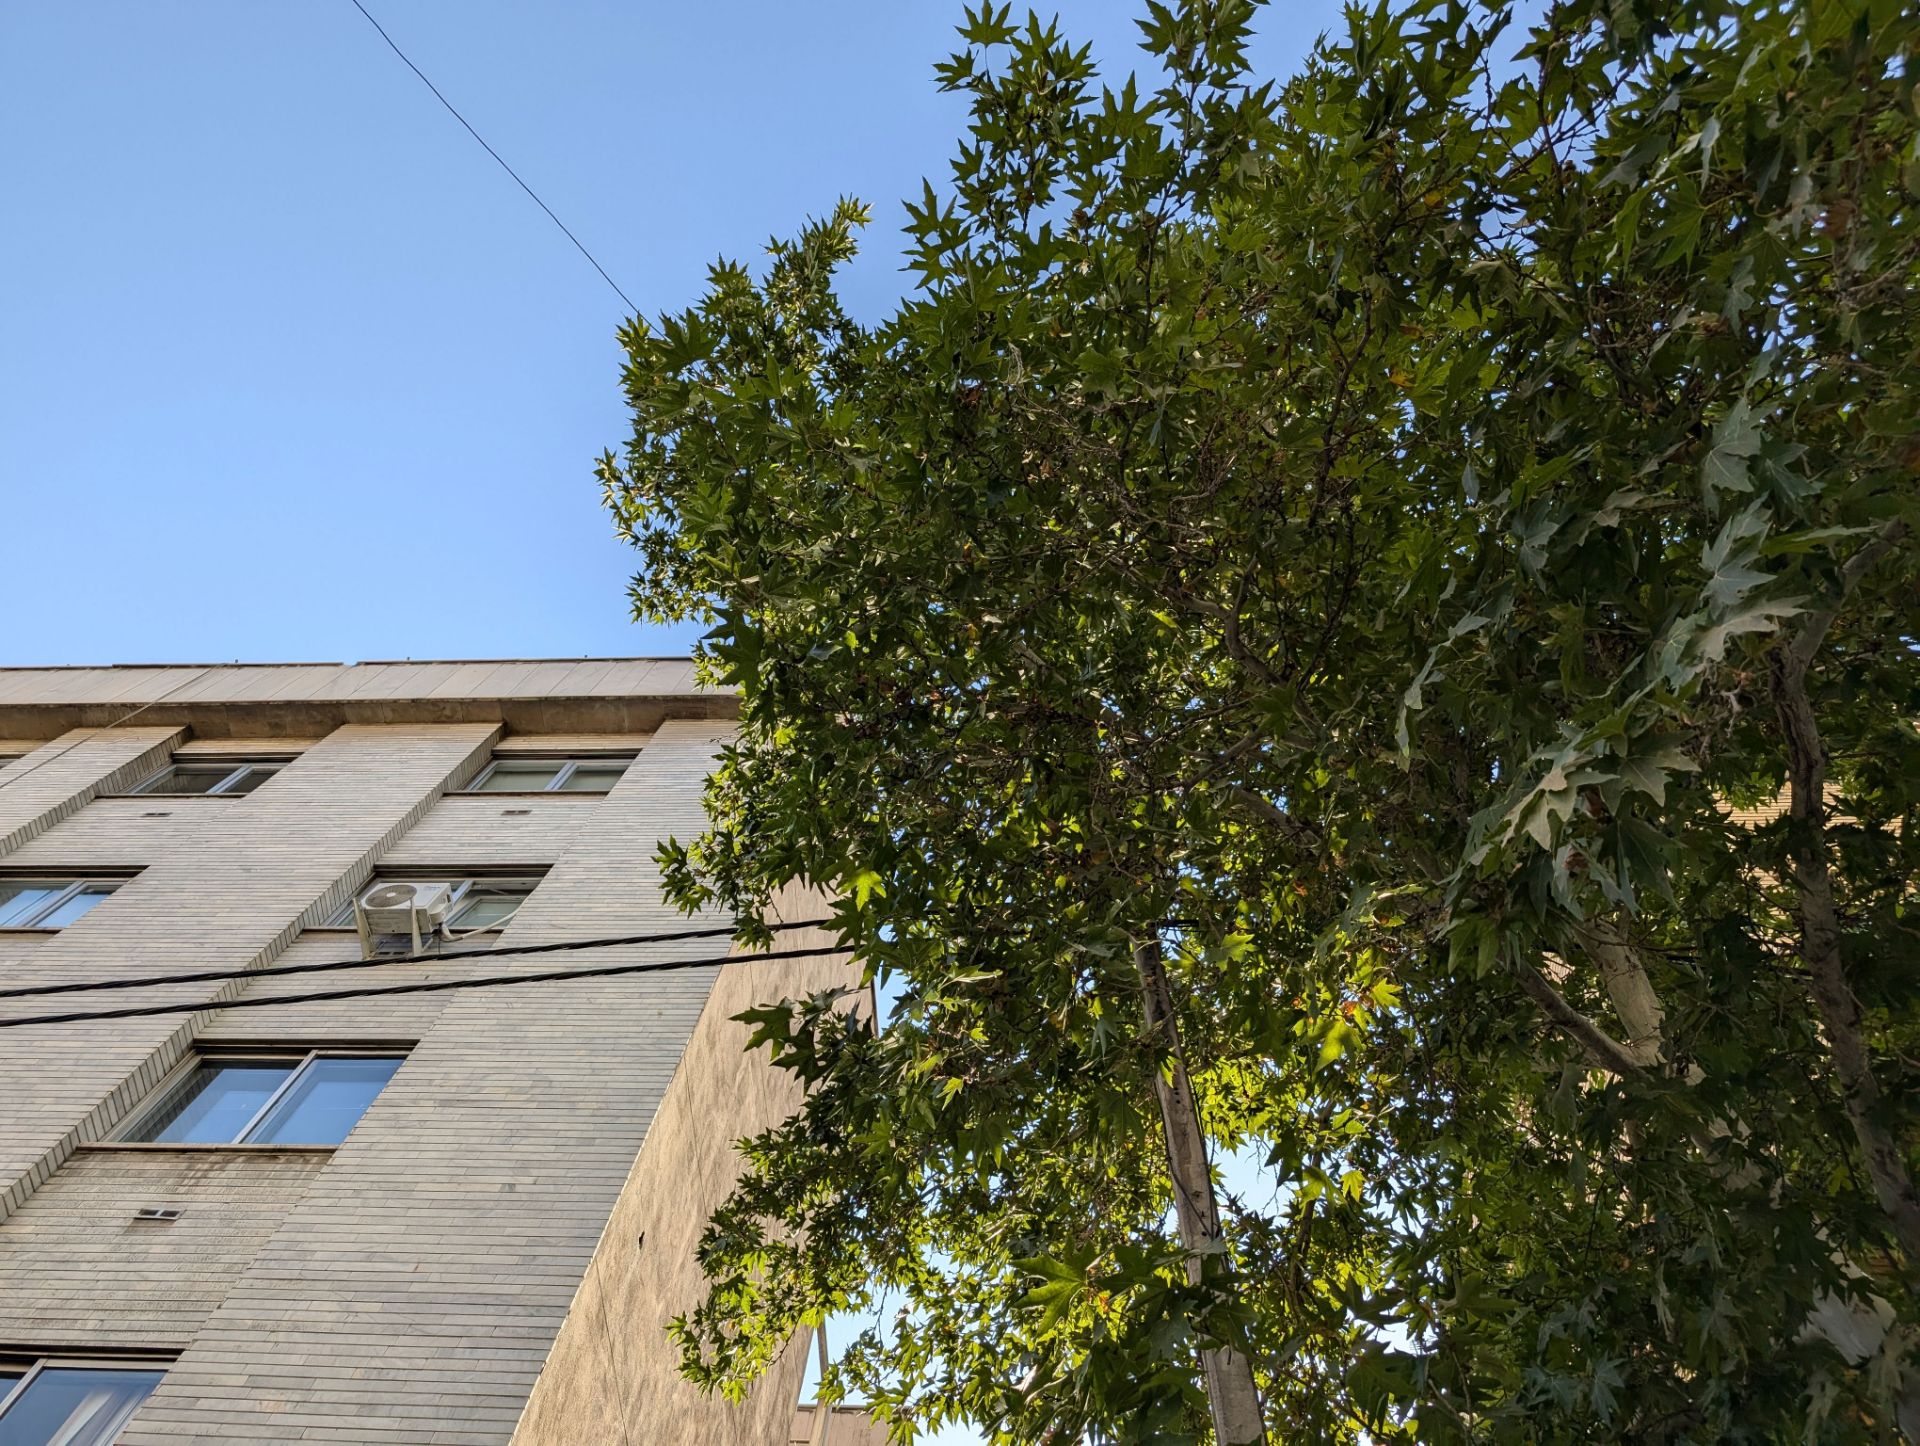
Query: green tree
1371,624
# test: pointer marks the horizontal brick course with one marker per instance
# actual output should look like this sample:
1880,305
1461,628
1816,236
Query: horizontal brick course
77,1270
483,829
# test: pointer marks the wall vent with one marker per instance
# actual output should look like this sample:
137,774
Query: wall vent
157,1212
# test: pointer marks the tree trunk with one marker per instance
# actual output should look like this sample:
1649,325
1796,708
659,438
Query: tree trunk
1833,996
1631,993
1231,1394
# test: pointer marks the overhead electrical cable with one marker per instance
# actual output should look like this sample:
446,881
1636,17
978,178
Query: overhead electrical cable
381,961
496,155
271,971
657,966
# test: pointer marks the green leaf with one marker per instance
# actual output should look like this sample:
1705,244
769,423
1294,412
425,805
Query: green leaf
1736,441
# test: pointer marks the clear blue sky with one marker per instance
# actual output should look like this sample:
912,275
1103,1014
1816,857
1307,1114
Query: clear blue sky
289,369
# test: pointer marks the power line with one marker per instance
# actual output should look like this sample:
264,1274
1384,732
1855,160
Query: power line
274,971
496,155
203,976
658,966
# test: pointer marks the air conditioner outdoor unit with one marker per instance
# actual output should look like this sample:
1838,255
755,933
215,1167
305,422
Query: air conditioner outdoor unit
414,910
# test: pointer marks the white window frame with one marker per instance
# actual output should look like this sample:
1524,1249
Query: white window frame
72,1363
239,769
301,1062
74,887
569,763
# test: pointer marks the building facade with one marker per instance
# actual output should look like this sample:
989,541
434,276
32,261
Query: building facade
454,1216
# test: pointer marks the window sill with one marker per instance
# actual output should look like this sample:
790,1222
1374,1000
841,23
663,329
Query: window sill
171,1146
171,797
524,793
30,928
350,929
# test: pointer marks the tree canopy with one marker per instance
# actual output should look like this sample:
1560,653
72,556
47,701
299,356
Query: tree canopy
1414,567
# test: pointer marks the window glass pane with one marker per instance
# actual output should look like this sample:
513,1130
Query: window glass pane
485,907
593,778
213,1104
21,899
189,778
325,1102
73,908
519,775
258,774
67,1406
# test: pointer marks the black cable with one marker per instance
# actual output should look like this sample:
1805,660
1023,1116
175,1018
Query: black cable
496,155
658,966
203,976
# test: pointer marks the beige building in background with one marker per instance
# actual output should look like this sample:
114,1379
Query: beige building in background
458,1216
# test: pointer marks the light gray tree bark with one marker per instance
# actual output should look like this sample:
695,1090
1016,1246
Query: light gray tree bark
1231,1394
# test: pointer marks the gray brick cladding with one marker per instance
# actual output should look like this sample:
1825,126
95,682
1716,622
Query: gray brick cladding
473,1247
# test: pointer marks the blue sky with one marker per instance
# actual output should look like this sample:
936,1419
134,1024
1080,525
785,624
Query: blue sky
289,369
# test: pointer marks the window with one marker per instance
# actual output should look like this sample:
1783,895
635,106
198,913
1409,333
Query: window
550,775
34,903
480,903
488,903
213,775
61,1403
264,1100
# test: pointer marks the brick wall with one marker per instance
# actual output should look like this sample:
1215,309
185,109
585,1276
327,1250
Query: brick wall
459,1270
58,779
414,1292
78,1270
243,874
612,1376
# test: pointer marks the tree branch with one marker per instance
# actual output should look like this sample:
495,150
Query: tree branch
1857,1328
1813,632
1820,929
1297,829
1632,993
1605,1050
